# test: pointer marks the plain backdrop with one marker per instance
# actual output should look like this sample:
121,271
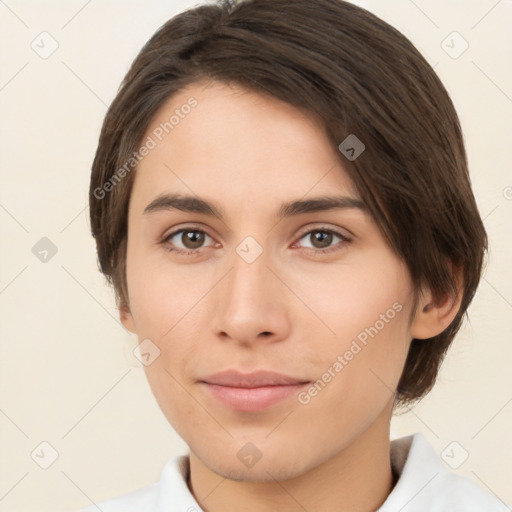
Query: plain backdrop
68,377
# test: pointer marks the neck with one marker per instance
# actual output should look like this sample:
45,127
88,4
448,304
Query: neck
357,478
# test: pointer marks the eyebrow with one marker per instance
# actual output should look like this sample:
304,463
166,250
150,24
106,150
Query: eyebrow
166,202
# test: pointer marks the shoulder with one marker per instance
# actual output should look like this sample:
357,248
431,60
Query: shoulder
424,484
455,490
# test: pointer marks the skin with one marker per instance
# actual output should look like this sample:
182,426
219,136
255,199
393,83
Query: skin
208,311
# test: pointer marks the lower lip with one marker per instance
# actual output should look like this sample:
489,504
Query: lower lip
252,399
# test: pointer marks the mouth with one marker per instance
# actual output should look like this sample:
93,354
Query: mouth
251,392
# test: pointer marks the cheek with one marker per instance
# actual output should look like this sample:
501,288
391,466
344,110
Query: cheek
357,373
169,306
166,306
162,296
366,312
348,299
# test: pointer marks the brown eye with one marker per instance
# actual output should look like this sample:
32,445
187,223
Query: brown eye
192,239
322,240
186,240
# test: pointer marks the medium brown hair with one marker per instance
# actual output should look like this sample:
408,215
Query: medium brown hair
358,75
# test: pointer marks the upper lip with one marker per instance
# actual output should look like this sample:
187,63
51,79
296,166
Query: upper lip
234,378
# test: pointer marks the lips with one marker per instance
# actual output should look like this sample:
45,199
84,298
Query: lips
257,379
251,392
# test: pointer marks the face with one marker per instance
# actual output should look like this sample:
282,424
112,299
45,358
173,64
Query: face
314,294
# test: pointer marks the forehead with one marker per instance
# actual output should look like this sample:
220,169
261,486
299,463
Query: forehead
229,143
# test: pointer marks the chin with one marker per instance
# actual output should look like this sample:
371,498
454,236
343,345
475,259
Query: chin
276,466
261,474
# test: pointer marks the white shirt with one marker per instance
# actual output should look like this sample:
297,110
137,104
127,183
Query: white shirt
424,485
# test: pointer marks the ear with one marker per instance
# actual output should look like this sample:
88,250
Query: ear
433,317
126,318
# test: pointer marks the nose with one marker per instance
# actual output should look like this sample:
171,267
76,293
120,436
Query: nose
253,302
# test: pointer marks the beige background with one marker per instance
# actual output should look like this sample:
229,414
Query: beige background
68,375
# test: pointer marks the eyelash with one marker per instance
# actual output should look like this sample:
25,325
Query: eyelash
193,252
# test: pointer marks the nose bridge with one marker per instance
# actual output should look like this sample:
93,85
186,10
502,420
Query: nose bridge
249,303
248,282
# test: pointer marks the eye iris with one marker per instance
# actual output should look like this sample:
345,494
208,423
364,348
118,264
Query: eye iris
323,237
195,238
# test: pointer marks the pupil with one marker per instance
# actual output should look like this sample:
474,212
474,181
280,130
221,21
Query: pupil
323,237
193,239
